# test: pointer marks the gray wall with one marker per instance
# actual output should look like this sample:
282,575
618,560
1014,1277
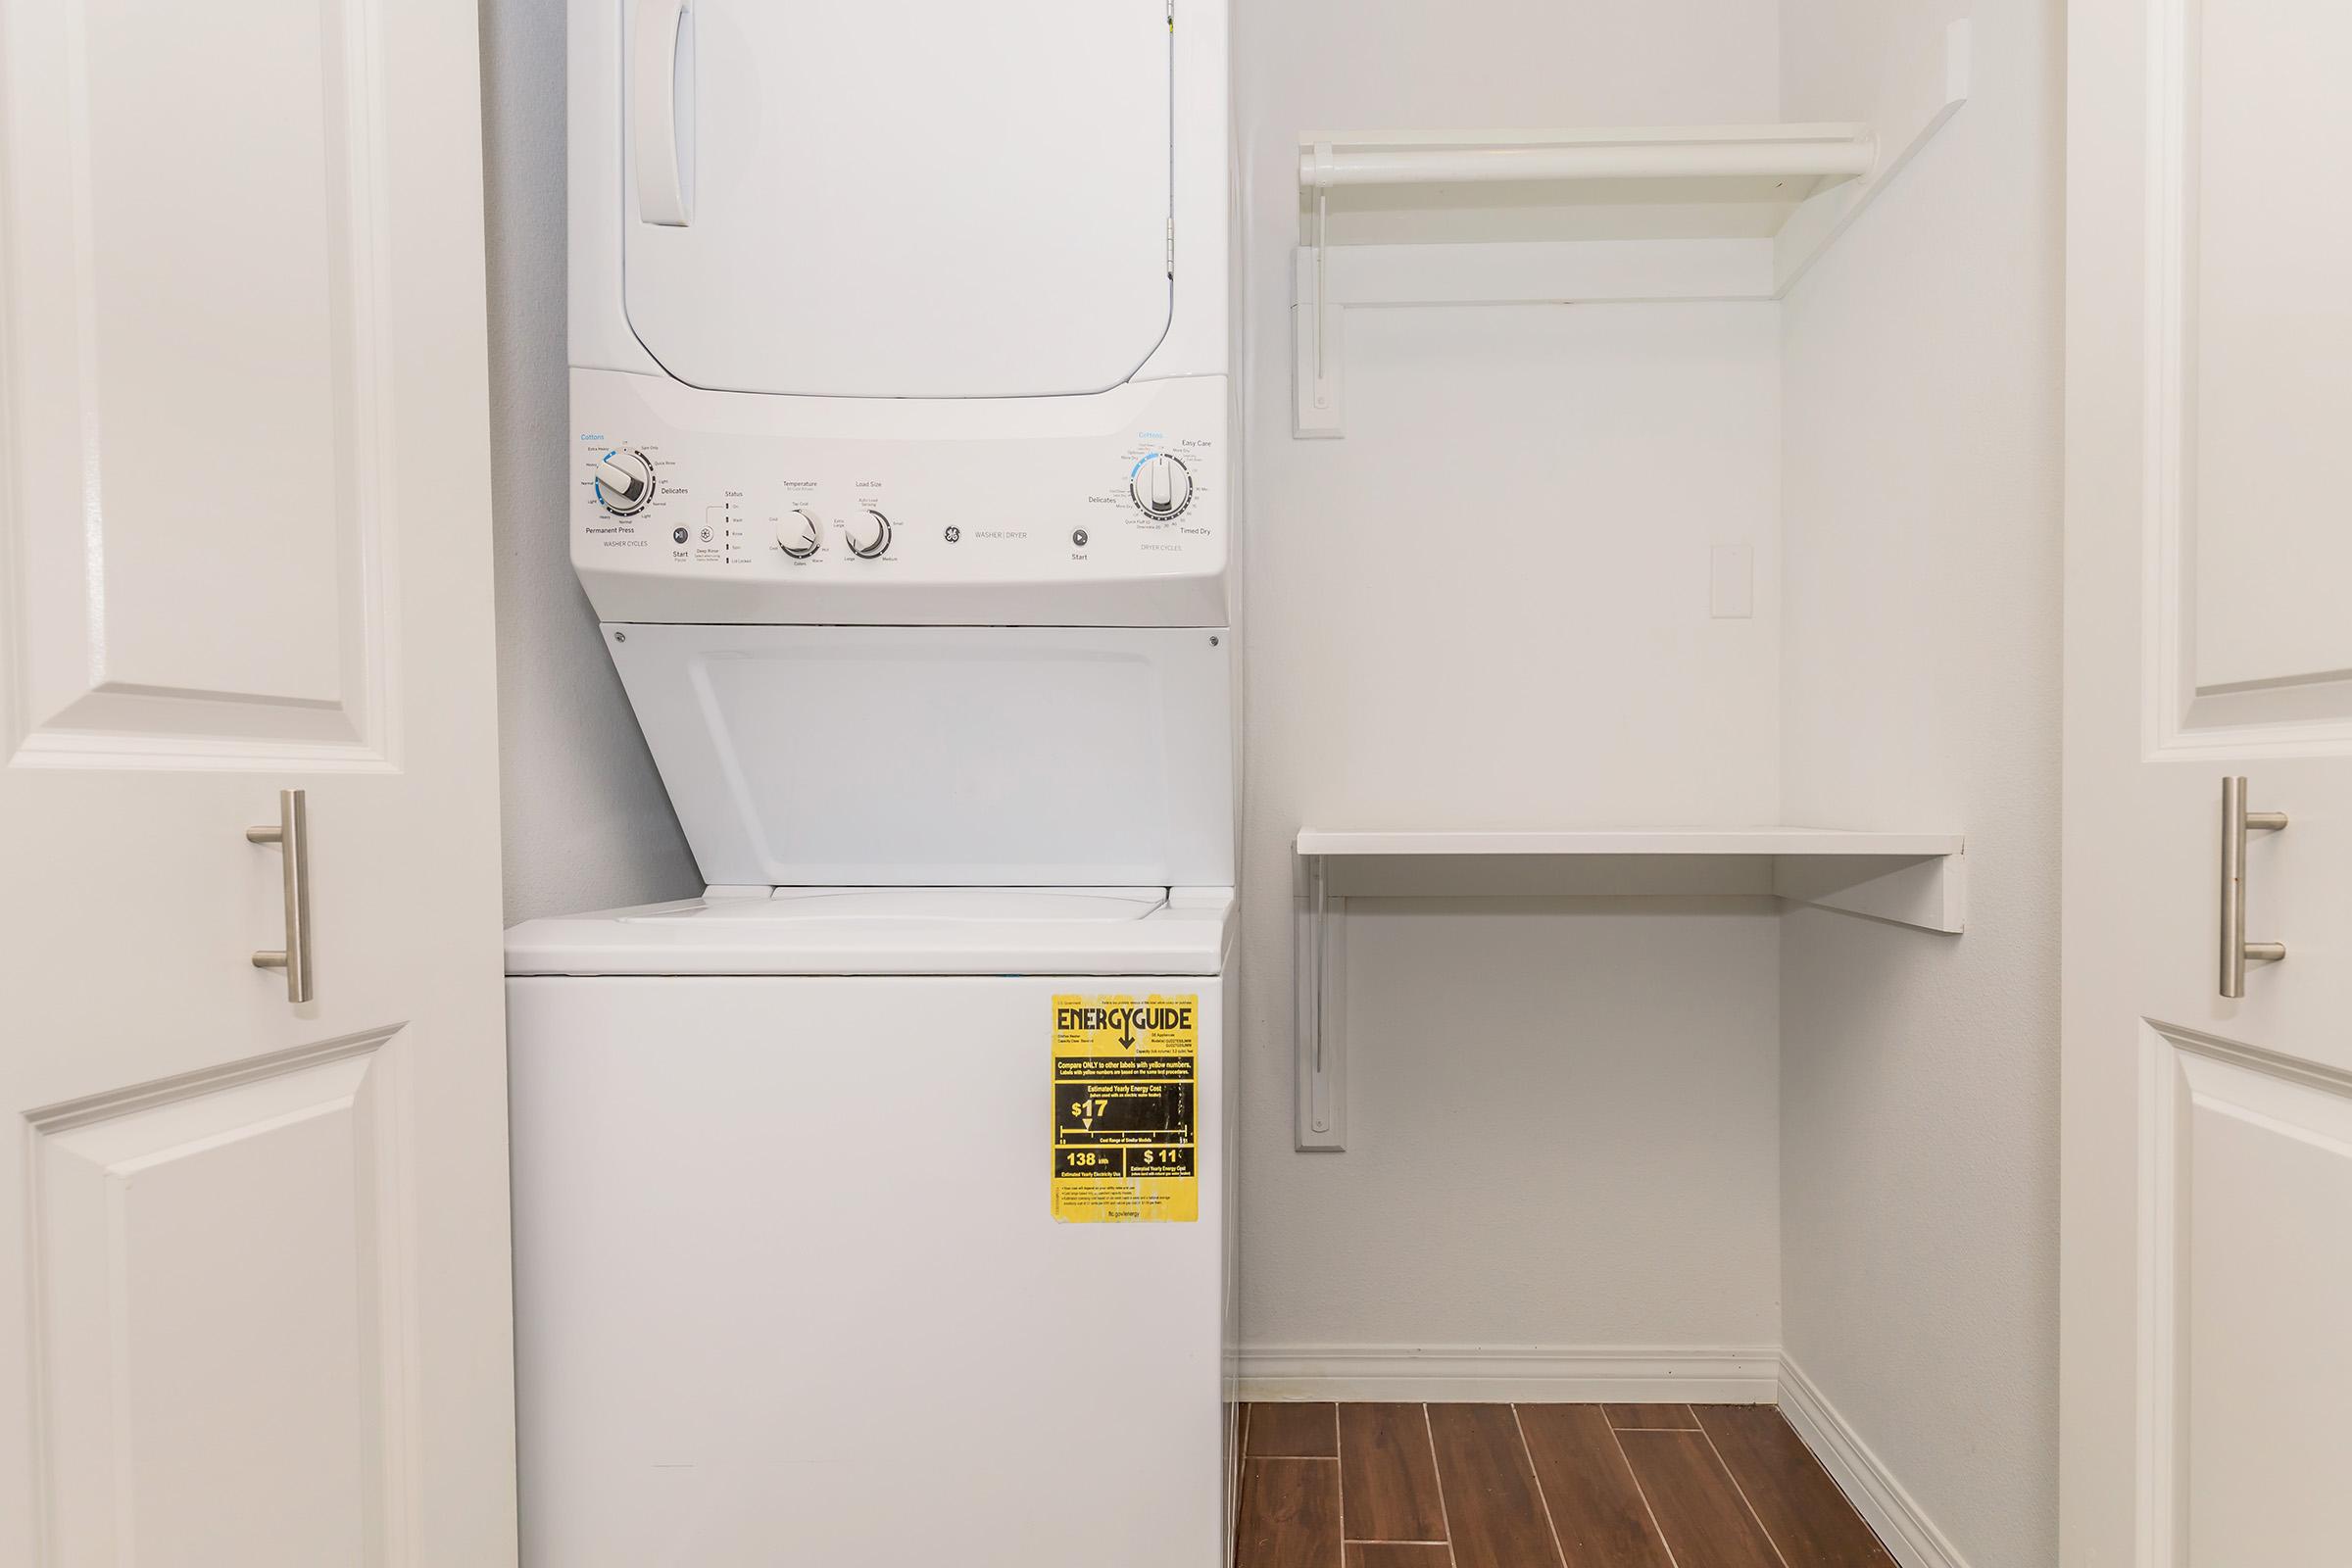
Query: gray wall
586,823
1919,1081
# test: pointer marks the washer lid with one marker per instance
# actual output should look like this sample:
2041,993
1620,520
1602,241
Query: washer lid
899,198
995,905
983,756
886,931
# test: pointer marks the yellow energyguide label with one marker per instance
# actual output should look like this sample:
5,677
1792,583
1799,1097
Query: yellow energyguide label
1126,1082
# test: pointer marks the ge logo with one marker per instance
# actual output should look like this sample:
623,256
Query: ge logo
953,533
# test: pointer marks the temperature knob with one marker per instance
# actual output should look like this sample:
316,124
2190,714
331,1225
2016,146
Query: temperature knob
868,534
800,533
1162,486
624,482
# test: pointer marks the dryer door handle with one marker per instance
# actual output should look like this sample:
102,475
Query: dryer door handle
658,100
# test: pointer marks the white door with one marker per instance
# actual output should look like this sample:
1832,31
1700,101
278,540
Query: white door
2207,1207
252,1254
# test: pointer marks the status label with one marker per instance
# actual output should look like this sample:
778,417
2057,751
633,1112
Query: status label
1126,1082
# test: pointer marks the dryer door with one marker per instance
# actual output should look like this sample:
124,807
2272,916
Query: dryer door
898,198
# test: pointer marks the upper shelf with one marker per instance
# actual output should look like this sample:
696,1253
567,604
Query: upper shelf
1688,182
1489,217
1907,878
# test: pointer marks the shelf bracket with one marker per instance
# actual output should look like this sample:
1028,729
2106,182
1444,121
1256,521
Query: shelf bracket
1318,966
1929,893
1314,320
1913,105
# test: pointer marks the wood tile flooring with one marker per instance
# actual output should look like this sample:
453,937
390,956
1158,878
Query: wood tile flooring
1539,1486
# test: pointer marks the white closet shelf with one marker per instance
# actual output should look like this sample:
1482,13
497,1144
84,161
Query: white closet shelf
1906,878
1772,162
1912,879
1592,215
1628,841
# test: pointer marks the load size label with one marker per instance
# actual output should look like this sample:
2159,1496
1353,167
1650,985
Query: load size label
1126,1078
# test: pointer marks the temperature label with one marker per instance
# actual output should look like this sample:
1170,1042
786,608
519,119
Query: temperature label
1126,1078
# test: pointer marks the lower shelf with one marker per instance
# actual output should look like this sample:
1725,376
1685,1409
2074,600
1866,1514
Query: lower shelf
1908,878
1912,879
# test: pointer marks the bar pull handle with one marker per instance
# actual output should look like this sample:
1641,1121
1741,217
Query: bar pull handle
654,57
2236,951
292,836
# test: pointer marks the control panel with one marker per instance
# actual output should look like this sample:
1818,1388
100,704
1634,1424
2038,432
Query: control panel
833,506
1161,485
623,481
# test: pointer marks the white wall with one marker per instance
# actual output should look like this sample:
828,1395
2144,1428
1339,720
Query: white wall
1487,606
1921,663
1562,1133
586,823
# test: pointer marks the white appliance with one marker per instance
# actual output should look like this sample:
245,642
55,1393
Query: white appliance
875,1206
787,1285
903,312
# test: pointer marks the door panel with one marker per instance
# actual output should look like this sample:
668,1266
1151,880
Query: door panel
201,388
2269,403
219,1274
2206,1139
254,1301
2257,1165
2249,463
905,198
2265,1183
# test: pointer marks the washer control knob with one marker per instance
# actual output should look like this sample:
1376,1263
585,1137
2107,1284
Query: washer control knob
624,482
1162,486
869,533
799,533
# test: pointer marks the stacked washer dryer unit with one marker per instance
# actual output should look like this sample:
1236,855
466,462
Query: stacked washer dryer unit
875,1206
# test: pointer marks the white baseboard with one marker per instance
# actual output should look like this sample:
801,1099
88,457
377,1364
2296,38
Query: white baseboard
1533,1374
1867,1482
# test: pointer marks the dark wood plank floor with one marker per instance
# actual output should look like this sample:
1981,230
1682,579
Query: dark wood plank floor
1540,1486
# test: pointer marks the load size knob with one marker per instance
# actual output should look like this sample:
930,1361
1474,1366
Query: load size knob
1161,485
799,534
867,534
624,482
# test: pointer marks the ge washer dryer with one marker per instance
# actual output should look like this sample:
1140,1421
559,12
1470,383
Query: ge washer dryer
876,1205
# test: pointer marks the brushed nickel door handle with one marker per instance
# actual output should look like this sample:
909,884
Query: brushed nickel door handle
2236,951
292,836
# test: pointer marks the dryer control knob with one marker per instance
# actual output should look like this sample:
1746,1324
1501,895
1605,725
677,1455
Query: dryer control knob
1161,485
624,482
869,533
799,534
